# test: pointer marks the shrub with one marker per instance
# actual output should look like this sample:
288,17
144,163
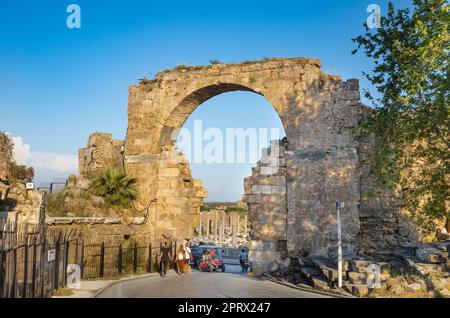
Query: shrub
115,187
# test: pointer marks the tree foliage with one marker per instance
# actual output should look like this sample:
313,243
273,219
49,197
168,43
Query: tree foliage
20,173
115,187
410,51
15,173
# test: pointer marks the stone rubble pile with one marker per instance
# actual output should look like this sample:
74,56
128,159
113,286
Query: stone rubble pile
421,270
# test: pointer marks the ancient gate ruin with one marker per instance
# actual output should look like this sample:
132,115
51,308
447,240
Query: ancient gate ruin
320,161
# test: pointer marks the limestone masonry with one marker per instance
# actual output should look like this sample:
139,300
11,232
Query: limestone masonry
292,191
318,112
101,153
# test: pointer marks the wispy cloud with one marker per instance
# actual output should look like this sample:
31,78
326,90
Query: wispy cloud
46,165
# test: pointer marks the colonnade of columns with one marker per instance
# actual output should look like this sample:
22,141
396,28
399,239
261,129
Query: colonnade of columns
216,225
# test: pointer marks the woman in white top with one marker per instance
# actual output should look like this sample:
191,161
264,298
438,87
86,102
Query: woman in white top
187,256
180,259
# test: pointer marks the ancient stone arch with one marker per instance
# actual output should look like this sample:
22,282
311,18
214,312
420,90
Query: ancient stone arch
318,112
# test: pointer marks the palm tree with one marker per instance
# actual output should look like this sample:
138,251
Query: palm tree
115,187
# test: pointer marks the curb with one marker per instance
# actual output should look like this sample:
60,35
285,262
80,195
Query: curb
101,290
311,290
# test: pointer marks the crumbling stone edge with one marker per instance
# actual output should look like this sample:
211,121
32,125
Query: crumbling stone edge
334,294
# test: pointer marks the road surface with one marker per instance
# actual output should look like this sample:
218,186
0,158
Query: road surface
231,284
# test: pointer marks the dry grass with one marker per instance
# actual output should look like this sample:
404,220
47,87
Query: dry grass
63,292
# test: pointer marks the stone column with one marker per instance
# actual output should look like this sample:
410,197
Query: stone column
216,225
200,225
233,226
222,229
238,224
208,224
246,224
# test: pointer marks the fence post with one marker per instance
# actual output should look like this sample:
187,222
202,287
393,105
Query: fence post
66,261
56,266
42,267
2,274
33,272
119,259
102,259
14,280
149,265
76,251
135,258
82,258
25,271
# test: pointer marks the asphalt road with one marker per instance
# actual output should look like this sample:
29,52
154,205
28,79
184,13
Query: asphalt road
231,284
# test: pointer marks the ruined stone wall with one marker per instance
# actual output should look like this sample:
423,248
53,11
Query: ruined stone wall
97,230
384,223
102,152
179,196
318,112
4,166
21,204
265,194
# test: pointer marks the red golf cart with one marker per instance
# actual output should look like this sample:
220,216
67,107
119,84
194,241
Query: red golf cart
214,261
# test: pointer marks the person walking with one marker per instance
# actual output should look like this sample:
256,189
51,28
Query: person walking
180,259
165,255
187,256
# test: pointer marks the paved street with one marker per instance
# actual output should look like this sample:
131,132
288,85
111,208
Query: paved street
231,284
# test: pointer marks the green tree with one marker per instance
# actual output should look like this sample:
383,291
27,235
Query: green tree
15,172
410,51
20,173
115,187
6,147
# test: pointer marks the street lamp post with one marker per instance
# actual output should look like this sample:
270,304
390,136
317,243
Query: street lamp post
339,206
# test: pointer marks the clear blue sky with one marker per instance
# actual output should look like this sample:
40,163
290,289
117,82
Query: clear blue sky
58,85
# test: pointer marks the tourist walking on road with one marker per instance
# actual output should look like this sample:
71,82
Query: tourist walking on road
180,259
165,255
187,256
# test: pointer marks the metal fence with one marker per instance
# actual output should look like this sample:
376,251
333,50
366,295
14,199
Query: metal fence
35,262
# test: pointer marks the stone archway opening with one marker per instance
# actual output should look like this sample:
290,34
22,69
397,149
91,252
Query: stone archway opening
232,132
318,111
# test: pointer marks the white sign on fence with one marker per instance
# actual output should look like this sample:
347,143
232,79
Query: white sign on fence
51,255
